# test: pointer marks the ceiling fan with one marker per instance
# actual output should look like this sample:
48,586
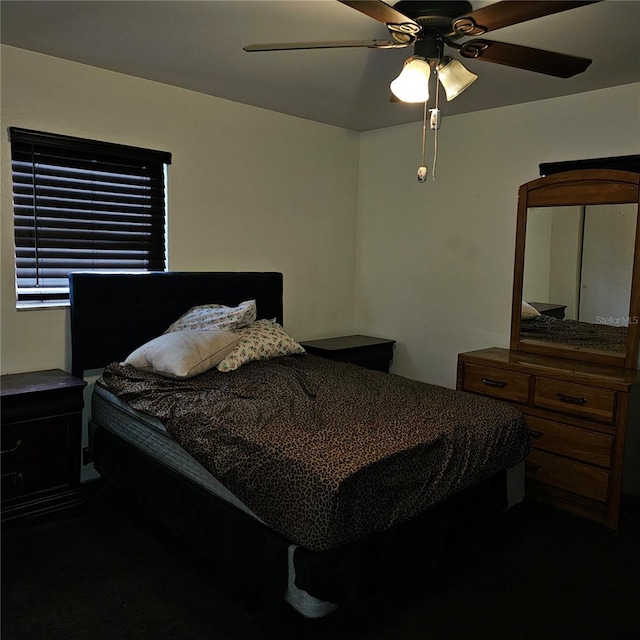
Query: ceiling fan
431,25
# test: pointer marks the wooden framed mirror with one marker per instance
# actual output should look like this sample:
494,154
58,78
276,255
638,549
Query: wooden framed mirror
577,267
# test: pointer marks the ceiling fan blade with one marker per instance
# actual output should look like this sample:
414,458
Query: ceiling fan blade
336,44
508,12
513,55
382,12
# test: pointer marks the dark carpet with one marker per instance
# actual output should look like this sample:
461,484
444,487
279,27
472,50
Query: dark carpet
536,573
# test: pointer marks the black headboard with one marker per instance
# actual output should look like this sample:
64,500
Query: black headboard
113,314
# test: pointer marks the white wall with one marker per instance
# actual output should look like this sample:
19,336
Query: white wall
537,255
607,266
434,261
249,189
566,257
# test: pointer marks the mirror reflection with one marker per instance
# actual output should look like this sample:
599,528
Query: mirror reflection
577,276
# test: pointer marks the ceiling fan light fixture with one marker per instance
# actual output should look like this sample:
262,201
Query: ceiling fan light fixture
412,85
454,77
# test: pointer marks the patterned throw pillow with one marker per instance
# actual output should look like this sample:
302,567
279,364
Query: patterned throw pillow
215,316
183,354
261,340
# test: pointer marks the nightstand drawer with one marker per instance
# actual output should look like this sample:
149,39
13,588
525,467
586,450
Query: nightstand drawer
572,442
568,475
34,440
500,383
575,399
32,477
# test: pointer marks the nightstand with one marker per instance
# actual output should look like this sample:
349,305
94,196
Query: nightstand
41,436
548,309
366,351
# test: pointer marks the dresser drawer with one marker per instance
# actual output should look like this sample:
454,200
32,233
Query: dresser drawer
573,442
499,383
568,475
575,399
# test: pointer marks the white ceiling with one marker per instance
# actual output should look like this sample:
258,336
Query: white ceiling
198,46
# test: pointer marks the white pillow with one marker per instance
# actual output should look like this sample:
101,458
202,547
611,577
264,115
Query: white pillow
529,312
261,340
215,316
183,354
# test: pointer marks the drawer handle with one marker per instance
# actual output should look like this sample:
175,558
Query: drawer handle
18,445
536,434
532,466
571,399
494,383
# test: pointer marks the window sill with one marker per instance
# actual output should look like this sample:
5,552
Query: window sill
37,305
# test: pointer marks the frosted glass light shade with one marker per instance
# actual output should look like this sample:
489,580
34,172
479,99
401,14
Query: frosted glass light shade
454,77
412,85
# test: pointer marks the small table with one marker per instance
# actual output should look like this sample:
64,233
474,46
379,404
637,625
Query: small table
549,309
365,351
41,435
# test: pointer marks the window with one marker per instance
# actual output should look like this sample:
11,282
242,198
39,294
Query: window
81,205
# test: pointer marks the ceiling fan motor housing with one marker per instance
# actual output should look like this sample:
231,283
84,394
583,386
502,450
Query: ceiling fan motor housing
434,14
433,17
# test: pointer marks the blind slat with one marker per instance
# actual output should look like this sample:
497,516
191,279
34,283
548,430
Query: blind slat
24,184
26,194
76,169
68,206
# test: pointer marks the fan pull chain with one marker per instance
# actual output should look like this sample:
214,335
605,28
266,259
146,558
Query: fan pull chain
435,125
422,169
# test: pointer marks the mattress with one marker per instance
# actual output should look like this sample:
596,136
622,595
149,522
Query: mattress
327,453
149,435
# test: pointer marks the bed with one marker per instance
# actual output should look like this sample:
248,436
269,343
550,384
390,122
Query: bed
369,509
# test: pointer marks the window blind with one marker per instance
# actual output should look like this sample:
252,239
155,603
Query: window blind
82,205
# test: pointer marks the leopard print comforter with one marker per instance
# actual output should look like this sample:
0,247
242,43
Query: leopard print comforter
326,452
582,335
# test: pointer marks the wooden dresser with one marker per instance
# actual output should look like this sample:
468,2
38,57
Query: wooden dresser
573,371
582,418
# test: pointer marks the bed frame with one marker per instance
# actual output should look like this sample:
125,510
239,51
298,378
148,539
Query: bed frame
111,315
